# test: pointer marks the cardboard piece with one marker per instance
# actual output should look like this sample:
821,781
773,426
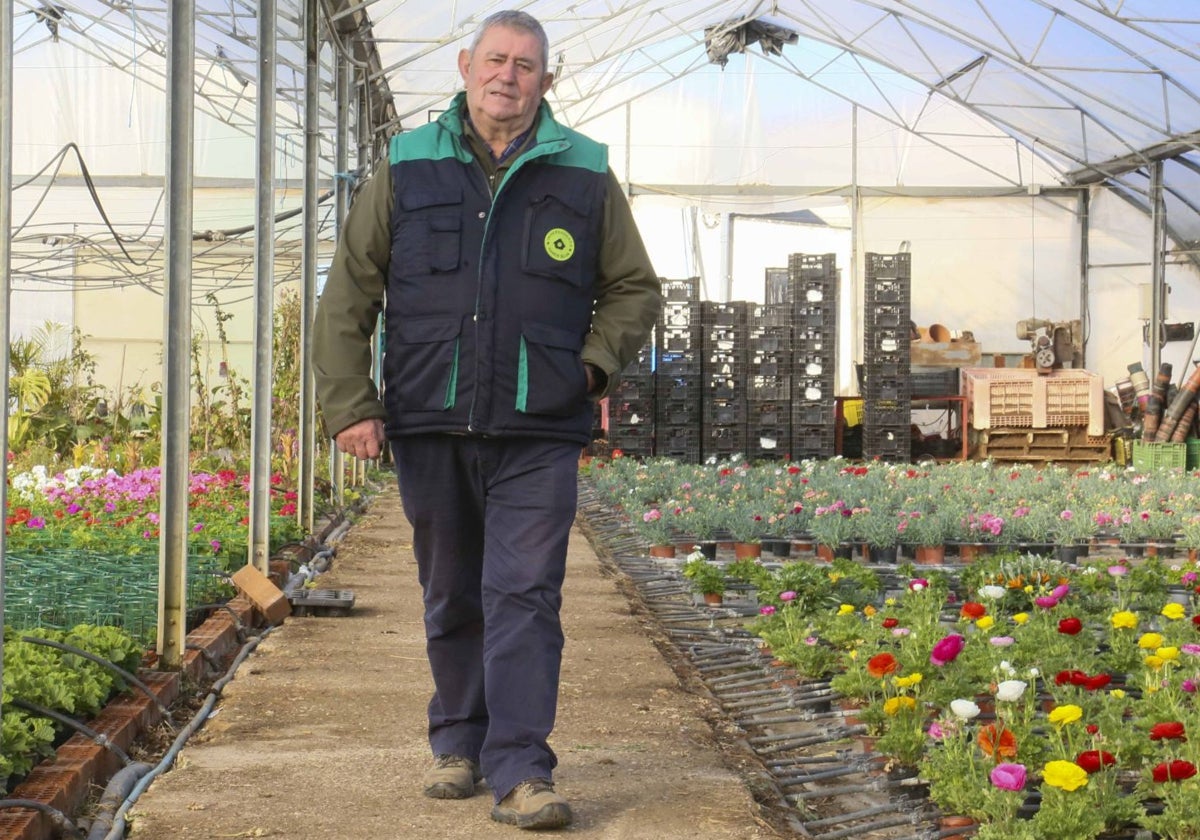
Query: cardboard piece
266,597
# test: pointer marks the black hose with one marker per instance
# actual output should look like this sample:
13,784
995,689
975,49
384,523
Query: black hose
112,666
115,791
70,722
60,820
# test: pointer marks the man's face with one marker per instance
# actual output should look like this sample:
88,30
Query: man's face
505,79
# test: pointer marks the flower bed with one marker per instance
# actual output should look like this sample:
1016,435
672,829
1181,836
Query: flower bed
1045,699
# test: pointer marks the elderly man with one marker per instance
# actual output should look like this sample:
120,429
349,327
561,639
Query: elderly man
515,287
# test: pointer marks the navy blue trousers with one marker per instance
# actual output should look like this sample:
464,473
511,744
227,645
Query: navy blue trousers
491,519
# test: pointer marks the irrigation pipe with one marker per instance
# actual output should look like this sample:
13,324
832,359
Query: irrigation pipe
58,717
60,820
112,666
115,791
117,830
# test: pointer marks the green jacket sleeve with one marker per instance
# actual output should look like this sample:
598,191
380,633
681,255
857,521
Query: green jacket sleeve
628,291
349,308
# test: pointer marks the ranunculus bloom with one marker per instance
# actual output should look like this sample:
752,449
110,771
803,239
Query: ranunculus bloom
1060,591
1150,641
1124,620
936,731
1046,601
890,622
991,592
1069,677
917,584
973,610
947,650
787,596
1066,775
1070,626
1008,776
1002,641
997,743
910,680
1020,618
1010,691
1093,761
894,705
965,709
1173,611
1174,771
766,609
1097,682
1065,714
1167,653
1091,729
882,664
1171,730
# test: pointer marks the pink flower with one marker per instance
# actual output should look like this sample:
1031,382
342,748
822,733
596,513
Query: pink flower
1118,571
1046,601
1008,776
1002,641
936,731
947,650
1060,591
900,631
766,609
787,596
917,584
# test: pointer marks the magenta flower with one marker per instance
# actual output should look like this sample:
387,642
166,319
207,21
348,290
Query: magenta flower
1046,601
947,650
787,596
766,609
917,584
936,731
1118,570
1008,776
37,523
1060,591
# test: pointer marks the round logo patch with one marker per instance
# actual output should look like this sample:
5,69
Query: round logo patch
560,245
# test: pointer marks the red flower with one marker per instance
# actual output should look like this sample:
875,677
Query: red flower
889,623
1174,771
882,664
1171,730
1094,761
1070,677
1092,728
973,610
1097,682
1070,626
1196,621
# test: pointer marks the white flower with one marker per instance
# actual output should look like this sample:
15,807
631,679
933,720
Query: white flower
696,555
1005,667
1034,673
1010,691
964,709
991,592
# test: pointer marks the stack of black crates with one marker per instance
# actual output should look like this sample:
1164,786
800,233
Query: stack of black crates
886,381
769,382
631,408
811,301
725,329
678,341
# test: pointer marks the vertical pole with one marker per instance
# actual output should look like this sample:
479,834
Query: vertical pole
341,199
1085,258
6,172
177,322
1158,289
264,286
845,373
308,292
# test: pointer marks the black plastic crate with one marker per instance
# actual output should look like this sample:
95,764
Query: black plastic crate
674,413
679,365
678,388
730,314
687,289
934,382
680,443
778,315
887,292
769,341
810,316
898,450
637,441
723,440
883,364
813,266
679,339
680,314
775,285
814,341
885,388
880,414
813,441
725,412
891,315
768,414
813,389
813,414
626,415
772,388
888,266
886,340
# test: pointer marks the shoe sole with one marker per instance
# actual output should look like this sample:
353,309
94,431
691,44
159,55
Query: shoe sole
444,790
547,817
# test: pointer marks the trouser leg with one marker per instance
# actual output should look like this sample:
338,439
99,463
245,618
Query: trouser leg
531,497
442,494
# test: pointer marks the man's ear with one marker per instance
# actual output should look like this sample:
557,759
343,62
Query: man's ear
547,83
464,63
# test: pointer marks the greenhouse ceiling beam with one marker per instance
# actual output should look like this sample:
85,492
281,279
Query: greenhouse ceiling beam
353,36
6,180
840,191
1095,173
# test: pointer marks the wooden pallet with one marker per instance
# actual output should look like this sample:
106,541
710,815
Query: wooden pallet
1070,444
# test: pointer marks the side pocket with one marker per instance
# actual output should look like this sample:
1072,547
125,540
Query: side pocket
550,375
424,357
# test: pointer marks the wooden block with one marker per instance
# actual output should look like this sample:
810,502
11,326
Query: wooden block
266,596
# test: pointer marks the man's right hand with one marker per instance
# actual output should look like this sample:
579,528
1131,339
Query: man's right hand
364,439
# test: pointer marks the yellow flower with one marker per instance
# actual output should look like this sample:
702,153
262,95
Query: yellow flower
1066,775
1153,662
890,602
1021,618
834,577
1117,693
985,622
911,679
1029,587
845,609
853,654
1062,715
868,611
1167,654
893,705
1124,620
1173,611
1150,641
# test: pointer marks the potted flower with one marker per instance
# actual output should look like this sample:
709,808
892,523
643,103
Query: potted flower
654,526
926,531
747,524
707,578
831,528
1073,530
879,529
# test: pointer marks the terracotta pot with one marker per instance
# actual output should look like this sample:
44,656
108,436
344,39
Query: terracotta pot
931,555
1194,555
970,552
744,550
713,598
956,821
662,551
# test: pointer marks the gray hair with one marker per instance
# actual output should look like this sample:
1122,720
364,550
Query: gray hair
515,20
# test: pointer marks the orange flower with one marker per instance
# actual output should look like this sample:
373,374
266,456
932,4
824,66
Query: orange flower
997,743
973,610
882,664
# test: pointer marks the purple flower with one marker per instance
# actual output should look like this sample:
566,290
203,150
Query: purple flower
936,731
1189,686
947,650
766,609
198,527
811,641
1008,776
216,545
37,523
1046,601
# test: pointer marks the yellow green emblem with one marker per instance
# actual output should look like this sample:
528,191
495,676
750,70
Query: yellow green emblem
560,245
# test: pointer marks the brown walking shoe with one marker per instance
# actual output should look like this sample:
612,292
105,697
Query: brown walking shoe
533,804
451,777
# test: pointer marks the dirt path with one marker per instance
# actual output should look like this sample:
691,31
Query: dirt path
321,735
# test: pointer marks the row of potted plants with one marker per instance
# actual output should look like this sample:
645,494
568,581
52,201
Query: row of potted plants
881,505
